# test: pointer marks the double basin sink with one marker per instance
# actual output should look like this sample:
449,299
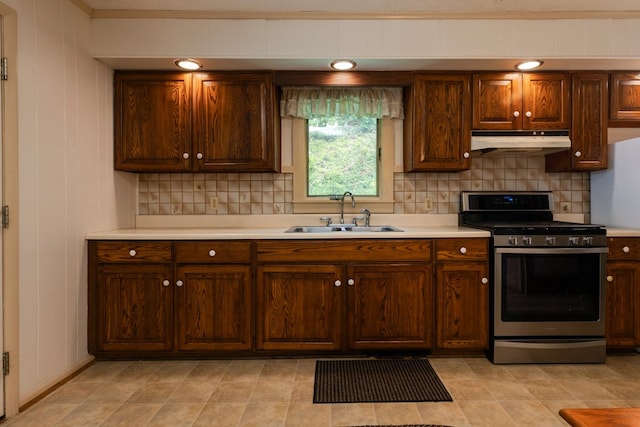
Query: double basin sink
342,228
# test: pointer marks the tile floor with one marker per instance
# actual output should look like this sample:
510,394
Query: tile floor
278,392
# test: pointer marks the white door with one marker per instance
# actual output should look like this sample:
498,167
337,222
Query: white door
2,396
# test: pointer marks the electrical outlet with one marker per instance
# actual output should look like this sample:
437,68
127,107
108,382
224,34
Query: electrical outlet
213,203
428,204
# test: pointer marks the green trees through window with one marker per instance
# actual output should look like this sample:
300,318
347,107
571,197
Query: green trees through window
342,156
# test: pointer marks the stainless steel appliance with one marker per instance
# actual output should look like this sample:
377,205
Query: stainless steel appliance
548,299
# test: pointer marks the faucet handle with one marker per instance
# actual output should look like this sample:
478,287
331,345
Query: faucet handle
367,216
326,218
356,219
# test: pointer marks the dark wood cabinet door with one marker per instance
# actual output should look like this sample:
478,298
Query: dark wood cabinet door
438,123
589,150
152,121
497,101
390,306
462,305
625,99
623,304
234,123
299,307
134,306
214,307
546,103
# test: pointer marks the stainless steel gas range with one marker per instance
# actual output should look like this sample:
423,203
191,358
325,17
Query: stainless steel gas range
548,278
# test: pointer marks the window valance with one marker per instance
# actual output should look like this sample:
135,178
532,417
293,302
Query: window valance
309,102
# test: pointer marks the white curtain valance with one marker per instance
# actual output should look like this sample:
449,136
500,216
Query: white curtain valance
309,102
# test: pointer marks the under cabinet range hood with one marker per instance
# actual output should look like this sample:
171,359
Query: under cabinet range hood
515,142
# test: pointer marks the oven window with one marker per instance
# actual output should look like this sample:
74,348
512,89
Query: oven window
550,287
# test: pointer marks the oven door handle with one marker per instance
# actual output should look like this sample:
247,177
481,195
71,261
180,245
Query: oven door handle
551,251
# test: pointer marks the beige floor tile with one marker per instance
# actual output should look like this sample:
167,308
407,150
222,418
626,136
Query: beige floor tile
40,415
279,370
100,372
115,392
352,414
172,372
93,414
507,390
272,391
176,415
232,392
132,415
308,415
530,413
207,373
73,393
469,389
547,389
137,372
191,393
264,415
153,393
486,413
445,413
302,391
586,389
397,413
220,415
243,370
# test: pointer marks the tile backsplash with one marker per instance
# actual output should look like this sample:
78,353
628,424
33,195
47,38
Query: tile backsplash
271,193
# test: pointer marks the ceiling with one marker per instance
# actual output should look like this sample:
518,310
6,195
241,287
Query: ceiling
368,9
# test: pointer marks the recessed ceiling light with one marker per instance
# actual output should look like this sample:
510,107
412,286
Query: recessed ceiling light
188,64
343,64
529,65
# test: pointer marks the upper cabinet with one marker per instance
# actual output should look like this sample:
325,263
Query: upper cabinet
588,126
521,101
437,123
625,99
178,122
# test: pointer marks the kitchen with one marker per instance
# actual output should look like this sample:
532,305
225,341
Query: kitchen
67,183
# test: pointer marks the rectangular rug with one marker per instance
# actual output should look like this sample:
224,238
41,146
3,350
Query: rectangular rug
377,380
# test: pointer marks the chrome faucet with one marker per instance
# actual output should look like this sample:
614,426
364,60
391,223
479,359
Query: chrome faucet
341,199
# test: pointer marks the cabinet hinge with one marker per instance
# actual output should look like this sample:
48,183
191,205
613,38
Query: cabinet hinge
5,216
4,69
5,363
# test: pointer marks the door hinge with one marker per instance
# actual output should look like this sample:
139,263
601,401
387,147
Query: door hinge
5,363
5,216
4,69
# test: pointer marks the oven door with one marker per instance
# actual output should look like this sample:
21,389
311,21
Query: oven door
549,292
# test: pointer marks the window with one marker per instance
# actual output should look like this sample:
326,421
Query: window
342,140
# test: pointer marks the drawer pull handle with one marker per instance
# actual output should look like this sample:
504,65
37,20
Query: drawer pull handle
132,252
199,156
179,283
484,280
212,253
185,156
466,155
351,282
165,283
609,279
626,249
578,154
463,250
516,114
337,283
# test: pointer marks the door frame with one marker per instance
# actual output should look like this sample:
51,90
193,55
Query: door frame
10,194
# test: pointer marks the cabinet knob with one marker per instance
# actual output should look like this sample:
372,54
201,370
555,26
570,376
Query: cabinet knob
528,114
516,114
466,155
199,156
463,250
337,283
132,252
578,154
165,283
179,283
609,279
185,156
212,253
351,282
484,280
626,249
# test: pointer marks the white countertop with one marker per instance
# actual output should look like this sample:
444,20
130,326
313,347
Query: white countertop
209,227
622,232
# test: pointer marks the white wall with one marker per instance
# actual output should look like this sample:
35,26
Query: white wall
66,181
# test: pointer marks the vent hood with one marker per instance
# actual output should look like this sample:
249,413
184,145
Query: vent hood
515,142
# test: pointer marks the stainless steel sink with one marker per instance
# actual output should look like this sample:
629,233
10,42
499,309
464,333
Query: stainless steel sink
342,228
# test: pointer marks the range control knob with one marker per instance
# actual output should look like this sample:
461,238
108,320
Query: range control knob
574,240
587,240
513,241
527,241
550,240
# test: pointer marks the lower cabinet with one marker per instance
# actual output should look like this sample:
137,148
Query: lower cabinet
344,295
462,294
623,293
168,298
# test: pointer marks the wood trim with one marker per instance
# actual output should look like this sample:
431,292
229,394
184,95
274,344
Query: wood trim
345,78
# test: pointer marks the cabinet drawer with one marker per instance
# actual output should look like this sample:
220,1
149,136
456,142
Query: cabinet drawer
133,251
462,249
623,248
343,250
213,252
